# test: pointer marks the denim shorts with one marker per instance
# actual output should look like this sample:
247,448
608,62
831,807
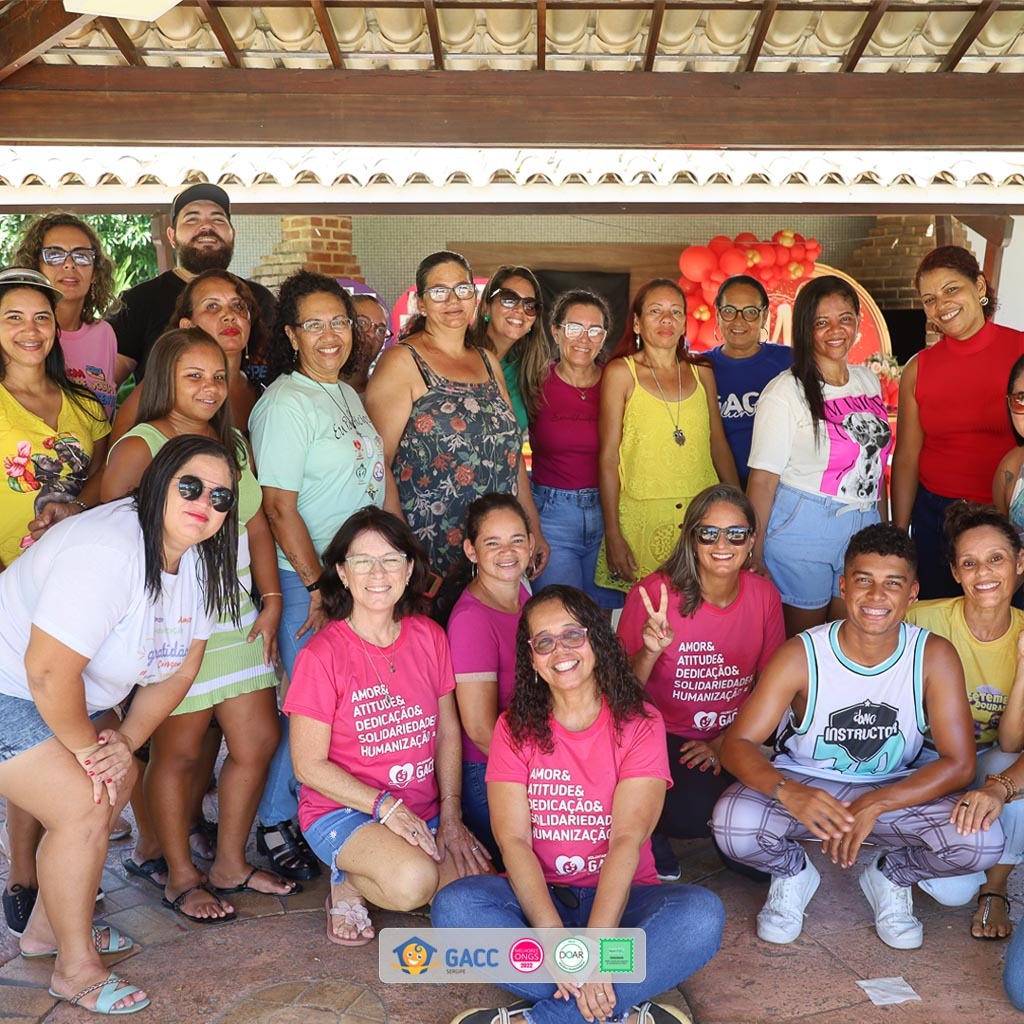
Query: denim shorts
331,831
22,727
574,527
805,543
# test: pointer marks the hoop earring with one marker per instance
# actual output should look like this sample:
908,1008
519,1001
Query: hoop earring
764,331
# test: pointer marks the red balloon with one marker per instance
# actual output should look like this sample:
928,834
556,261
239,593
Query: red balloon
709,289
813,248
769,273
808,268
767,253
733,261
719,244
797,252
689,287
697,262
746,239
692,326
798,239
706,335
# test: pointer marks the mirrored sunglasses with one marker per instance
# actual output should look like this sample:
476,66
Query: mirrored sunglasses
222,499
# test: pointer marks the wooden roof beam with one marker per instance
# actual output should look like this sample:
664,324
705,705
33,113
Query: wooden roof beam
220,30
323,20
542,34
657,19
122,41
969,34
31,28
764,19
435,34
867,30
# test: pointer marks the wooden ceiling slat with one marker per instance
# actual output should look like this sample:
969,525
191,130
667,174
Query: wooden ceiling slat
434,29
323,20
542,34
969,34
867,30
764,20
122,41
657,20
282,106
220,30
33,27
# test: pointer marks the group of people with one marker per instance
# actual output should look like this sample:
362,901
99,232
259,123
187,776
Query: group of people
463,726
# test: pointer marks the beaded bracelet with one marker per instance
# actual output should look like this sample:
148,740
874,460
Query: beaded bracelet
1006,782
391,810
381,797
81,504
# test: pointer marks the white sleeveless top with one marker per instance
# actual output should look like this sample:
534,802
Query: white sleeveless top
861,724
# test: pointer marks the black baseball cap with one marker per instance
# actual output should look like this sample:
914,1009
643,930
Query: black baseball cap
201,190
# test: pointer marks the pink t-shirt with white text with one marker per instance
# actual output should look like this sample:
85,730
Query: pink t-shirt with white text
483,641
90,354
384,734
701,680
570,790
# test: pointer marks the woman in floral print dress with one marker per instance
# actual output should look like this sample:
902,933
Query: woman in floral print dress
441,406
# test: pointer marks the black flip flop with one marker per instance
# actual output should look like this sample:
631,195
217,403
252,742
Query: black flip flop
989,896
176,903
244,886
147,870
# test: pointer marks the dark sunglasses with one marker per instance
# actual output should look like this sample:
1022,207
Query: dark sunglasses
1016,401
510,299
222,499
733,534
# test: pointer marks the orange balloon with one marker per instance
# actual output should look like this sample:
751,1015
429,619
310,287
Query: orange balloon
733,261
697,262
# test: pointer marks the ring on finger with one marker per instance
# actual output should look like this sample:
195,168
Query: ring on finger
474,849
414,833
965,803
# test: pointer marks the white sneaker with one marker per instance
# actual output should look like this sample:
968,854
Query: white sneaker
782,918
894,909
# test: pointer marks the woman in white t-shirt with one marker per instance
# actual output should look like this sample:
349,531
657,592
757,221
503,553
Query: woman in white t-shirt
107,600
375,733
576,779
817,462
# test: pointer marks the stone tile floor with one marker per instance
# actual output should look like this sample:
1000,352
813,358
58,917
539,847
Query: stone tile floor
274,966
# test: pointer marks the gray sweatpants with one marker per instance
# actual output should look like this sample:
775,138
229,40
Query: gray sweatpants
919,842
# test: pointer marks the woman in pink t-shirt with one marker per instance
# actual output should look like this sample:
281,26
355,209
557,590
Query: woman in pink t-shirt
375,734
482,634
699,631
576,780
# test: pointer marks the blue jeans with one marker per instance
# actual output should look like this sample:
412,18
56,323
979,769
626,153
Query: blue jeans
476,815
574,527
928,528
1013,972
280,801
683,924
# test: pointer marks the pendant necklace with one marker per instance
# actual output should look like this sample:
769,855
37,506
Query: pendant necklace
677,435
390,661
348,421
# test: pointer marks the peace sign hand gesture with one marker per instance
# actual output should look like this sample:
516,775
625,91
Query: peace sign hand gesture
657,633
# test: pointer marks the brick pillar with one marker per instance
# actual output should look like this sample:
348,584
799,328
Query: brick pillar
321,243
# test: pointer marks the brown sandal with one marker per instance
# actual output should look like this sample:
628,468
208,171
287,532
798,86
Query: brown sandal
988,897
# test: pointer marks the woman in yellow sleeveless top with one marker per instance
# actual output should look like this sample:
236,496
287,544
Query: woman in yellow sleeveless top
662,441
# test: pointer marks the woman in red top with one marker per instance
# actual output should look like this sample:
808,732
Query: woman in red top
952,428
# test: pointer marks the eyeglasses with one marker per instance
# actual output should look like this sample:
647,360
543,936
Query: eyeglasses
510,299
570,639
338,324
1016,401
367,326
573,331
749,313
362,565
733,534
222,499
55,256
237,306
441,292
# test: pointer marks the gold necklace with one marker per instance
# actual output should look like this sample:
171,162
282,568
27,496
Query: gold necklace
678,434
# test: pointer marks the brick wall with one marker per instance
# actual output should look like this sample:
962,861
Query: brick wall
319,243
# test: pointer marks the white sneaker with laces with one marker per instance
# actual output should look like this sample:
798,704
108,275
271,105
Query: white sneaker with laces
894,909
782,918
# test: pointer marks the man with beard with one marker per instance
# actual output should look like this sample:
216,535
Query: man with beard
203,238
854,699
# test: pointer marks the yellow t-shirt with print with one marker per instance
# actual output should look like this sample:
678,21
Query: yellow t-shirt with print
989,665
41,464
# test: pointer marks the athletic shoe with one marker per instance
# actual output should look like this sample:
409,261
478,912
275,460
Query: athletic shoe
18,902
500,1015
782,918
894,909
666,863
656,1013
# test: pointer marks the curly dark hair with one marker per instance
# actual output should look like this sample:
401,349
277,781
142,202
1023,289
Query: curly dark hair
963,262
337,598
882,539
529,712
281,357
962,516
101,299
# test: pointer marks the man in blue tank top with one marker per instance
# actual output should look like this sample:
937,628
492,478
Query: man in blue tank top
857,696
